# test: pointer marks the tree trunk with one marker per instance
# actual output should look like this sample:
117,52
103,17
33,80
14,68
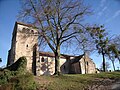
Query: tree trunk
57,61
113,64
84,63
103,61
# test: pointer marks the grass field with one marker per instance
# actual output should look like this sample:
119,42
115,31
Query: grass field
76,81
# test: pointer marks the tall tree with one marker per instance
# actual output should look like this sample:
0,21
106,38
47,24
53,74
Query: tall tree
107,66
116,47
56,20
113,52
100,39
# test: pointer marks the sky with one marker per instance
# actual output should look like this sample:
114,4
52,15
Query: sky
104,12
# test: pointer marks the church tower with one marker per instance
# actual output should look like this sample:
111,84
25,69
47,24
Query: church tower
24,39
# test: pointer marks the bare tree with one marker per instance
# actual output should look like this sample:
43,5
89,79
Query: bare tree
107,66
85,44
56,20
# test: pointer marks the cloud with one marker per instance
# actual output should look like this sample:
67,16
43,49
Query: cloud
101,8
117,13
102,11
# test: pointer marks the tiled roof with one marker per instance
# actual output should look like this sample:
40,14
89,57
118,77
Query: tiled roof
49,54
76,59
46,54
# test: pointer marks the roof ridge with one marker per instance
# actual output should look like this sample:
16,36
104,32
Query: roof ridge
61,54
25,24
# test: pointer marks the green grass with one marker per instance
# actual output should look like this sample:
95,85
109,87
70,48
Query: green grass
75,81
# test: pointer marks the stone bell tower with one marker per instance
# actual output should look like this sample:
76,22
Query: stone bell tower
24,38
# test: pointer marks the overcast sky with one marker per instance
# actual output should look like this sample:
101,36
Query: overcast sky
105,12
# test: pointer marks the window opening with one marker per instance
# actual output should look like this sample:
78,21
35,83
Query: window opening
27,45
42,59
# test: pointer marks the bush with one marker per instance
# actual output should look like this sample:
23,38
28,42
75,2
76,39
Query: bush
19,65
5,75
15,77
20,82
23,82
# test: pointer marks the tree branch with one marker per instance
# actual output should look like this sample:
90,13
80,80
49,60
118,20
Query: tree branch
69,35
66,39
43,31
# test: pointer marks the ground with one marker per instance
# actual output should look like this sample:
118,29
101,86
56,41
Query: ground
102,81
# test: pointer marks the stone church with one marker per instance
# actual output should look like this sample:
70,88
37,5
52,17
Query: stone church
25,43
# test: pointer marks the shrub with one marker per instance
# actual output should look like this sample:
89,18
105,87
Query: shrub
19,65
23,82
15,77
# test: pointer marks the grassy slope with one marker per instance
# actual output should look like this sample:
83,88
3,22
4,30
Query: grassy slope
76,81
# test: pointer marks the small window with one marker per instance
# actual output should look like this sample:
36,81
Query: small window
42,59
27,45
38,60
23,29
87,63
32,31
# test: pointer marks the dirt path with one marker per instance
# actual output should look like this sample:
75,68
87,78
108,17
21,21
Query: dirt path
97,84
116,86
41,80
104,84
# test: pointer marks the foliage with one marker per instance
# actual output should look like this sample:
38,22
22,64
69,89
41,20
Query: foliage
58,21
101,40
114,49
19,66
15,77
106,46
99,35
9,81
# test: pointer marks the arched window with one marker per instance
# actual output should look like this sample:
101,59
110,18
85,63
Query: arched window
42,59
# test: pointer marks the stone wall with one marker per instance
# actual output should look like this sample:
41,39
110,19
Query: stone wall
87,64
23,40
46,65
